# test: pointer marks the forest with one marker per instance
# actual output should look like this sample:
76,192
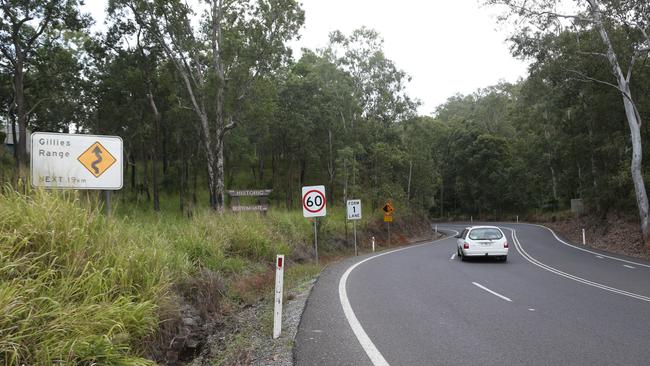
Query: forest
212,98
208,96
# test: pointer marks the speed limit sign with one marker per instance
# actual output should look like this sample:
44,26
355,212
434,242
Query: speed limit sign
313,201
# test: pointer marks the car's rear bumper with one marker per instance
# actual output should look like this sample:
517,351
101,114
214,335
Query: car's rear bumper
487,252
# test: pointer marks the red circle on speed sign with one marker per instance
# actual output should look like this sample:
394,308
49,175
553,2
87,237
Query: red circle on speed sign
304,200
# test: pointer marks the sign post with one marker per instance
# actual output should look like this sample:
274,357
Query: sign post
279,287
314,204
354,214
388,216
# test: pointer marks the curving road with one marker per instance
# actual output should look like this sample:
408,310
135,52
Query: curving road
552,303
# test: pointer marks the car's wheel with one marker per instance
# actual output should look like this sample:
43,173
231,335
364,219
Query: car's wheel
458,252
463,257
504,258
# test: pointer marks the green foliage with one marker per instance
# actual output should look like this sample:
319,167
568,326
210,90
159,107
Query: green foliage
77,287
74,287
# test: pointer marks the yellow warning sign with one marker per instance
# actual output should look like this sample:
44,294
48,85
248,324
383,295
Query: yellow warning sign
388,208
96,159
388,218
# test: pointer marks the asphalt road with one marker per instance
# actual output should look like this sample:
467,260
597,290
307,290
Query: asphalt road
550,304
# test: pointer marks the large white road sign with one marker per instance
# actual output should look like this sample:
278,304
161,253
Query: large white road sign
313,201
60,160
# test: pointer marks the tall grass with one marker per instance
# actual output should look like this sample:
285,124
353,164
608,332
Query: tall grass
78,288
74,288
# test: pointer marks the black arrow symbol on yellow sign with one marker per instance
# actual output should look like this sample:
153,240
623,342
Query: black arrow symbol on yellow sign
98,153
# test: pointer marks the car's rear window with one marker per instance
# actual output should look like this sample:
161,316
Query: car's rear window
485,234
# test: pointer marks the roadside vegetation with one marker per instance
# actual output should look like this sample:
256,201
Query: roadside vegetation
211,101
78,287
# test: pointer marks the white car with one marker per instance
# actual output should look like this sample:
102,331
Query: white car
482,241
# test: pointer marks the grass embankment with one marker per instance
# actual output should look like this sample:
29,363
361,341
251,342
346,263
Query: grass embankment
78,288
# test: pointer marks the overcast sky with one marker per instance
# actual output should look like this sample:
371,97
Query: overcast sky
448,47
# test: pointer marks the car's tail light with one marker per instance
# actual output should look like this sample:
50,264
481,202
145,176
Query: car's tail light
466,246
505,244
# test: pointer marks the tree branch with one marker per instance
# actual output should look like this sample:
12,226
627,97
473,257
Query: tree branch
589,78
6,54
529,12
36,105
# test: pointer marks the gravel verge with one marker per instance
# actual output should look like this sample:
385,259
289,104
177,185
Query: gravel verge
279,352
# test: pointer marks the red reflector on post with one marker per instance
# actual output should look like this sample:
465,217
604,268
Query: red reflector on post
279,262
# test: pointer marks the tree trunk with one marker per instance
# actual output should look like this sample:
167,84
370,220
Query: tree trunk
156,149
442,197
303,171
165,160
21,144
408,188
133,172
183,183
145,182
553,183
260,166
154,176
330,166
220,192
633,120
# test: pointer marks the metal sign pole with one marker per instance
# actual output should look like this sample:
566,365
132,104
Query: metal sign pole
107,196
388,233
315,242
354,227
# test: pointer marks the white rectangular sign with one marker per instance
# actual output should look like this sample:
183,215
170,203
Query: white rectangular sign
354,209
61,160
313,201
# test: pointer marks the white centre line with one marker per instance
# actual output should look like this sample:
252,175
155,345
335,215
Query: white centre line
452,257
490,291
546,267
625,265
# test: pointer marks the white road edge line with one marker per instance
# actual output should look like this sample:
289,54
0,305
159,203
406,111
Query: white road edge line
546,267
589,251
452,257
366,343
625,265
492,292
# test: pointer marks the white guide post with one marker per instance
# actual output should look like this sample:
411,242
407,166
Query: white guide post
279,284
584,238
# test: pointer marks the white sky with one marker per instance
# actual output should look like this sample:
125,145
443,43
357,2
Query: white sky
447,46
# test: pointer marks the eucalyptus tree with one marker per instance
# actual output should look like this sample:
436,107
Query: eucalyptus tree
25,27
379,84
536,20
218,57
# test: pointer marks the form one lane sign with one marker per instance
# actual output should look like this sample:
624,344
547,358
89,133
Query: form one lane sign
354,209
313,201
60,160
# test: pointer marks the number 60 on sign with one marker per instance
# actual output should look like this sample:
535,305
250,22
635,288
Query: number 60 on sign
314,203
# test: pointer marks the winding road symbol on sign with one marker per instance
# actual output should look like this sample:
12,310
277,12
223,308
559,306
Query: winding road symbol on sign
97,159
